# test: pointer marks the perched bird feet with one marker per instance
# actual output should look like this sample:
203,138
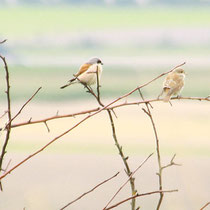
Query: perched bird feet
178,96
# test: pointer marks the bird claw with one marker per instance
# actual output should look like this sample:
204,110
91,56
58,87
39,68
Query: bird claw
178,96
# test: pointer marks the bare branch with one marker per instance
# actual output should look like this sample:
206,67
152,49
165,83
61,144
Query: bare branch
48,129
205,206
107,107
121,153
172,163
46,145
3,114
127,181
148,112
3,152
98,185
21,109
30,121
1,42
7,165
124,159
140,195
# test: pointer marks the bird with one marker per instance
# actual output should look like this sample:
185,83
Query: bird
87,73
173,84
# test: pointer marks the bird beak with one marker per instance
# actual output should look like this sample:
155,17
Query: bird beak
102,63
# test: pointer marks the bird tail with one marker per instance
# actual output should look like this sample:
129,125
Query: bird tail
167,95
72,81
167,98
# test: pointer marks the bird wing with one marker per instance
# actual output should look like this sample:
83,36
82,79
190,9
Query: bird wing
171,81
82,69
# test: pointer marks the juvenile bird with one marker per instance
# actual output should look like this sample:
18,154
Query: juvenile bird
173,84
87,73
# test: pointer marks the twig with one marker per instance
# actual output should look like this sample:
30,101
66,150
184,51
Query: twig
81,196
148,112
30,121
98,88
172,163
48,144
3,114
107,107
124,159
127,181
121,153
1,42
205,206
48,129
3,152
21,109
7,165
140,195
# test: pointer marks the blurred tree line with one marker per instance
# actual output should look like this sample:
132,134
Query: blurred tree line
107,2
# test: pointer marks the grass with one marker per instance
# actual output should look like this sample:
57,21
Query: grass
26,21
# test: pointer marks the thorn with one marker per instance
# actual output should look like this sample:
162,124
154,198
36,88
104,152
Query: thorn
48,129
126,158
126,172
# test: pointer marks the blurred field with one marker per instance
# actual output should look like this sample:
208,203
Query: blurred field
27,21
46,46
55,177
122,80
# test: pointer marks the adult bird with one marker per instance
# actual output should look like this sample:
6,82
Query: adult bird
173,84
87,73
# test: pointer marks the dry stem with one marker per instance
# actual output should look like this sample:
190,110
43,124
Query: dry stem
160,167
121,153
81,196
127,180
29,122
205,206
3,152
140,195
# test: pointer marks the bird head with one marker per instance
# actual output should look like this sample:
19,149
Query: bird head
95,60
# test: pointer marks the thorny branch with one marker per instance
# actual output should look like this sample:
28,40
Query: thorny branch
3,152
119,147
127,180
124,158
81,196
29,122
205,206
1,42
172,163
160,167
21,109
140,195
148,112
